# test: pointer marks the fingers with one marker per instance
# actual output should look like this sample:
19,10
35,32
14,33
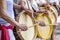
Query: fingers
41,23
23,27
45,12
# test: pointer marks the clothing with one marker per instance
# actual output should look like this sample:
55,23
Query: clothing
58,19
6,32
34,5
16,11
42,1
51,1
27,4
16,1
38,39
56,1
38,1
9,11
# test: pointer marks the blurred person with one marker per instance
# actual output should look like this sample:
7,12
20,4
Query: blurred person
6,13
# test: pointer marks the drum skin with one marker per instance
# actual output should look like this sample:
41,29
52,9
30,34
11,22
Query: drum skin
45,31
31,33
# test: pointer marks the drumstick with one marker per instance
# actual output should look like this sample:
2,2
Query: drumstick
42,26
57,7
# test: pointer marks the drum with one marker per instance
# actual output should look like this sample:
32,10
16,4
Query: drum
52,16
30,34
44,32
54,11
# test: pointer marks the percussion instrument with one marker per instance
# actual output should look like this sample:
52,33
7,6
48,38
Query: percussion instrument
30,34
52,13
45,31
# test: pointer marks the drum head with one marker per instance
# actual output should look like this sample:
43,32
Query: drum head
30,34
46,31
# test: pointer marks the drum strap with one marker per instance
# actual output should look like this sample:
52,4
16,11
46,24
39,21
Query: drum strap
5,33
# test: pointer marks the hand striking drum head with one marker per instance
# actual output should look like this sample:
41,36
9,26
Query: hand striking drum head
30,34
45,31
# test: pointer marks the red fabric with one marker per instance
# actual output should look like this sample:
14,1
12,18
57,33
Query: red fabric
5,33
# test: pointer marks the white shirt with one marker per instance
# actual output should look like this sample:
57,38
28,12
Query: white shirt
51,1
11,14
9,11
42,1
29,5
37,1
58,19
56,1
34,5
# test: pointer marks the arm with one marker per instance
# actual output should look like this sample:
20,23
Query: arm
16,6
4,15
22,3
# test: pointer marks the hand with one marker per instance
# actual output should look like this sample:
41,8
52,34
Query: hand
41,11
41,23
38,12
20,8
45,12
29,12
23,27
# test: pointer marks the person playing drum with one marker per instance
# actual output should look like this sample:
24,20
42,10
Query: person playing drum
53,36
6,13
27,6
53,2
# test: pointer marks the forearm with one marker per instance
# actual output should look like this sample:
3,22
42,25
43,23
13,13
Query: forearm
28,11
4,15
16,6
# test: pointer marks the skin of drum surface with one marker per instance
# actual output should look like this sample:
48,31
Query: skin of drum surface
45,31
30,34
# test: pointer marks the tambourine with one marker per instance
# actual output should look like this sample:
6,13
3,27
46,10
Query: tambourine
44,32
31,33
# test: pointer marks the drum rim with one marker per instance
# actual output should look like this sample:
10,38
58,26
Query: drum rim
53,10
53,15
51,29
19,34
